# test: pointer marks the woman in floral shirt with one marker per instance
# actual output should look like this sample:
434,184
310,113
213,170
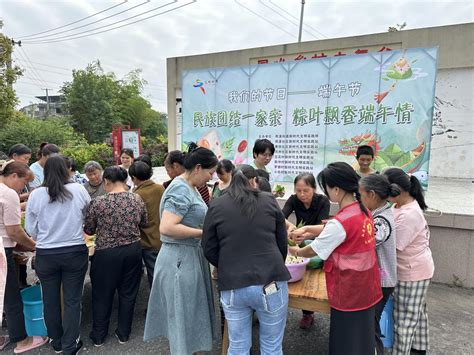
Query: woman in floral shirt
115,218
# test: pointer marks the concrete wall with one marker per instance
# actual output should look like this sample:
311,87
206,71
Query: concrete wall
455,83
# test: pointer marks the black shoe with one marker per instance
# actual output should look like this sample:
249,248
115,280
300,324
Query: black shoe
57,348
415,351
78,347
121,339
96,342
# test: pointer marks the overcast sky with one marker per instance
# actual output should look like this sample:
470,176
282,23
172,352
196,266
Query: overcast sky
201,27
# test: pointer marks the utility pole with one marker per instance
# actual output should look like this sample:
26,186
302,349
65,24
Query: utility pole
9,61
301,21
47,101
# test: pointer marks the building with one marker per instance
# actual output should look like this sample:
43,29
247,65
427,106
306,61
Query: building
40,110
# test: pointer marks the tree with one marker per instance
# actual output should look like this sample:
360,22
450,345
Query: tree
90,101
8,75
97,100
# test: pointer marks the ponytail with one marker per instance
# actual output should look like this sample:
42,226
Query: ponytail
416,191
243,194
408,184
380,185
361,205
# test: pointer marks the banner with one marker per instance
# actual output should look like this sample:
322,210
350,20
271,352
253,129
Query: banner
317,111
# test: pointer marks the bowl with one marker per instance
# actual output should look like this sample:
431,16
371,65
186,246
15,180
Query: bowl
297,270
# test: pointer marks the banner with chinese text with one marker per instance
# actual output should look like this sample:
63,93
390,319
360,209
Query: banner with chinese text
317,111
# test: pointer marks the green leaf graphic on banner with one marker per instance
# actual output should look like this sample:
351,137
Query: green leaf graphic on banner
227,147
393,152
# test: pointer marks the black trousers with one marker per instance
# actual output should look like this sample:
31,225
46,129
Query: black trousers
149,259
12,302
387,291
352,332
68,270
115,269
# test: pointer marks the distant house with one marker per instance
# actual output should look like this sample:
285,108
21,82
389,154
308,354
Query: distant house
40,110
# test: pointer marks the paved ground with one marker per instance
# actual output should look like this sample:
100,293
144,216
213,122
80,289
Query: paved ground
451,312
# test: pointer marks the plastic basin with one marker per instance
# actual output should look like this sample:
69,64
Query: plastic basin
297,270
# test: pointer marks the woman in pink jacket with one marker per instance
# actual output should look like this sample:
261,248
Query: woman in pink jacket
415,265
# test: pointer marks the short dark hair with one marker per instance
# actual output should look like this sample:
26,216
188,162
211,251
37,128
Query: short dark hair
18,149
263,184
364,150
127,151
115,174
46,149
225,165
145,158
175,156
199,156
140,170
261,146
308,179
249,171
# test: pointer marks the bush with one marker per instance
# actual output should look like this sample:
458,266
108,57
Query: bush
156,149
32,133
101,153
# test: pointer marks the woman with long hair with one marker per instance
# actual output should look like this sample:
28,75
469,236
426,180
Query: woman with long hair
254,278
347,245
116,266
415,266
45,151
54,218
181,305
13,178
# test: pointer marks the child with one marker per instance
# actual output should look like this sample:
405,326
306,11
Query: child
310,208
415,265
374,191
365,157
352,276
224,171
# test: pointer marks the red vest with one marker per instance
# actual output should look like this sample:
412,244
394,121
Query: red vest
352,270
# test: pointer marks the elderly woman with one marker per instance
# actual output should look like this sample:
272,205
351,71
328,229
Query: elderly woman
95,186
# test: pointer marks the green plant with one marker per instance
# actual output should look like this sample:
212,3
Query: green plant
101,153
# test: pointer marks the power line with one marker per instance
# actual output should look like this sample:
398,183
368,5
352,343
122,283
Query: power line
296,18
74,36
263,18
88,24
286,18
51,66
27,66
72,23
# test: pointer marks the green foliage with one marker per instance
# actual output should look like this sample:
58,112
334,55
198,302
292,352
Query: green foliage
9,73
33,132
101,153
156,149
96,100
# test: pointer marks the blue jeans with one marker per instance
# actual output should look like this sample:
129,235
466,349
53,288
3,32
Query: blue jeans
239,305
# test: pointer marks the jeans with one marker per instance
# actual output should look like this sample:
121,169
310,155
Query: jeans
68,270
13,302
149,259
387,291
114,270
239,305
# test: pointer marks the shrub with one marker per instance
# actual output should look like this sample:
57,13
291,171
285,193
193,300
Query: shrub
156,149
101,153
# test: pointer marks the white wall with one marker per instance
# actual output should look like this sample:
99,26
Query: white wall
452,145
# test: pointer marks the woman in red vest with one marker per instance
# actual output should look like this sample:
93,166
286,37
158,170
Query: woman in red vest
347,245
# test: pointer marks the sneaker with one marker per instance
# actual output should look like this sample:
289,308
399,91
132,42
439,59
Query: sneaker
57,349
121,339
307,321
78,347
96,343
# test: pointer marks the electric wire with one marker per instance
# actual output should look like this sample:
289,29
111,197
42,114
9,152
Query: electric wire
67,38
72,23
87,24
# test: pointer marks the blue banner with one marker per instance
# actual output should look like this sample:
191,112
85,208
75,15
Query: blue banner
317,111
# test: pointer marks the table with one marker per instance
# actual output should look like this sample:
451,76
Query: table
310,294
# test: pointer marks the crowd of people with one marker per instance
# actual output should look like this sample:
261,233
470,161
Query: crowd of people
375,247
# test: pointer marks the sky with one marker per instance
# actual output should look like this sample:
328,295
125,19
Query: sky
189,27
